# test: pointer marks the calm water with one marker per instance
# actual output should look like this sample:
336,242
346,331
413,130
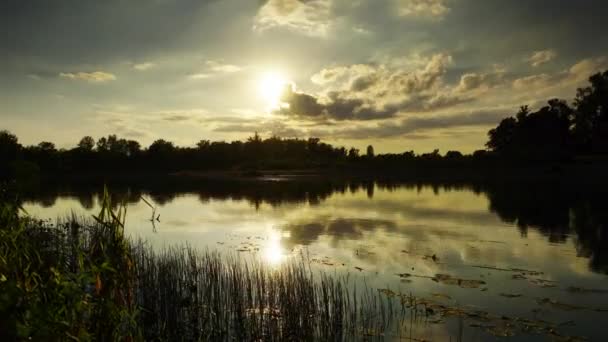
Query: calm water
514,252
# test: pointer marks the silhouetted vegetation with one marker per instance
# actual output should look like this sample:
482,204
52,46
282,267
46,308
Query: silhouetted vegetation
558,132
83,280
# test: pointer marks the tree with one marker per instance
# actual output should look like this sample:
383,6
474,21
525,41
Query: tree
161,147
523,113
453,155
9,149
46,147
133,148
501,138
203,144
370,151
544,134
591,115
9,145
102,145
353,153
86,144
255,138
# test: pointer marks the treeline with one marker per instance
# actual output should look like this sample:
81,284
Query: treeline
559,130
111,155
556,132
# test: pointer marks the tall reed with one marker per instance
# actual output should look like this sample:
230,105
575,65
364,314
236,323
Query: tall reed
82,279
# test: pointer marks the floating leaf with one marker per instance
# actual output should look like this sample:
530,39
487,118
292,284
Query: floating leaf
511,295
464,283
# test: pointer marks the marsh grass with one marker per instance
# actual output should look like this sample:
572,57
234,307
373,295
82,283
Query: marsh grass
206,295
82,279
70,281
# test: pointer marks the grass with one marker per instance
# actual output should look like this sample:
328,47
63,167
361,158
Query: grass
83,280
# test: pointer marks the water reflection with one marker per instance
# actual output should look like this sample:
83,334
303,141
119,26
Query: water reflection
274,253
560,212
523,245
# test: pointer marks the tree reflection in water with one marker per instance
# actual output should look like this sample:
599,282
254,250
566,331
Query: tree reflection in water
557,211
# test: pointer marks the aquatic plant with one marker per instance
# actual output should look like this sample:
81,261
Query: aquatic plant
68,281
82,279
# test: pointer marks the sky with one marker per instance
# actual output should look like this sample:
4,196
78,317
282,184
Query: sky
398,74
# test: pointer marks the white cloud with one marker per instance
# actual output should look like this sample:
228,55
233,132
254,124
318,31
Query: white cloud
218,66
144,66
436,9
310,17
539,58
96,76
564,80
199,76
373,92
481,81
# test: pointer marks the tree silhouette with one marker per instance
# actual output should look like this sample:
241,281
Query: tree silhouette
544,134
9,148
591,115
370,152
86,144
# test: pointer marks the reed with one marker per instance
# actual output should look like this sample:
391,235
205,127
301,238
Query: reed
82,279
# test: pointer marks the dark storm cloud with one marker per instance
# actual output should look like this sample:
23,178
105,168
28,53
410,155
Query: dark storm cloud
92,31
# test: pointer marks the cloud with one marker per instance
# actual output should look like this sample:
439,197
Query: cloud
539,58
143,66
421,123
271,127
214,68
565,80
533,81
371,92
199,76
180,116
481,81
131,124
310,17
435,9
586,67
121,124
96,76
218,66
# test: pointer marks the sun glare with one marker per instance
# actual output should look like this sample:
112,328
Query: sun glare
271,87
274,253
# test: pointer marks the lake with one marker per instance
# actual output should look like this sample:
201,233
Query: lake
528,260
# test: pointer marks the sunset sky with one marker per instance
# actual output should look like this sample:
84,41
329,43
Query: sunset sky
398,74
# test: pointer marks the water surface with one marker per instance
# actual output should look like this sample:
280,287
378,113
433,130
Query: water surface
515,252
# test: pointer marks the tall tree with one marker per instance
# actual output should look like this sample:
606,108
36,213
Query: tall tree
591,115
370,151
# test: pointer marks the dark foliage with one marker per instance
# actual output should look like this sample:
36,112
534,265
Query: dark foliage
558,130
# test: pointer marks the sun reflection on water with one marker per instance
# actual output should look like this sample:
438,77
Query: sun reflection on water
274,253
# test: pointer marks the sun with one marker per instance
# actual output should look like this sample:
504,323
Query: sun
271,86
